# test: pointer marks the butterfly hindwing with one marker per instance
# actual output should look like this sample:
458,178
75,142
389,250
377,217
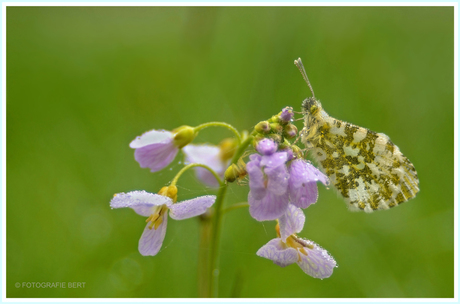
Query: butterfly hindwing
366,168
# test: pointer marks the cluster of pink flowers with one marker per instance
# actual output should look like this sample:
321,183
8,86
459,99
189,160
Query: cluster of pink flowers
281,185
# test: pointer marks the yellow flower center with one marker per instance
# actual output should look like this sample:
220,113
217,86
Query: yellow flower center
156,218
294,242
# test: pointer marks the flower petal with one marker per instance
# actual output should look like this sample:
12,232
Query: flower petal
156,156
274,160
255,158
266,146
151,137
202,154
304,196
303,190
151,239
277,179
279,253
291,222
193,207
318,263
305,172
289,153
318,175
207,155
256,177
313,174
140,201
270,207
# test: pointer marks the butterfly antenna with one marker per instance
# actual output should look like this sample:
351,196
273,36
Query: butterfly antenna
299,65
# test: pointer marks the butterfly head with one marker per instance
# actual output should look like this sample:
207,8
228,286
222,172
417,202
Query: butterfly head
311,106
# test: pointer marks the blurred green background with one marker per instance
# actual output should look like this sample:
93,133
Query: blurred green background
82,82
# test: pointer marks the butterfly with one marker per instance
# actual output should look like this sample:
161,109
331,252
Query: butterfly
367,168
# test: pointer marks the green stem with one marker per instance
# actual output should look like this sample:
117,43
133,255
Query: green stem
203,255
216,226
246,142
219,124
206,234
215,234
235,206
190,166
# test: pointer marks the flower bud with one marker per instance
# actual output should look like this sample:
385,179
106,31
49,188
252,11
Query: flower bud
262,127
256,139
231,174
235,171
183,136
275,137
274,118
286,114
290,131
227,148
266,147
276,128
169,191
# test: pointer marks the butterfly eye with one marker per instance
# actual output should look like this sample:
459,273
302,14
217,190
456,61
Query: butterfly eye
313,109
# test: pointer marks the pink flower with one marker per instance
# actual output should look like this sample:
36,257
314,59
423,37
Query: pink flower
156,149
268,182
155,207
273,184
288,248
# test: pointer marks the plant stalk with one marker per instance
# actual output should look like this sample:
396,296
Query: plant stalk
215,231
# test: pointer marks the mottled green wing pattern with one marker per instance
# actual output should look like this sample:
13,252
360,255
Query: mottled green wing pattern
365,167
